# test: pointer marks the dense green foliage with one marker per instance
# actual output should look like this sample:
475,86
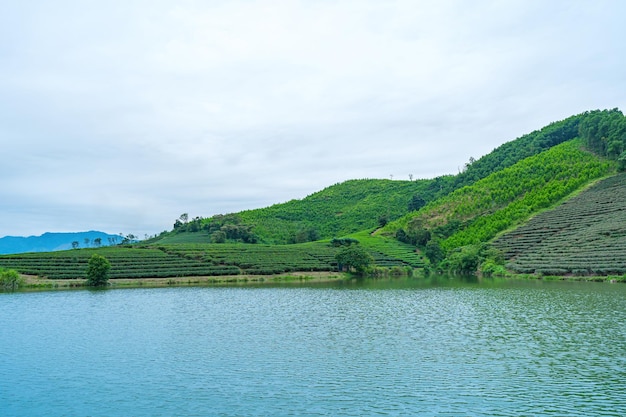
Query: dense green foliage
10,279
584,236
604,132
126,262
98,270
477,213
388,252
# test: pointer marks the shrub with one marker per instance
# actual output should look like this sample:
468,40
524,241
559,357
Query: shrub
10,280
492,269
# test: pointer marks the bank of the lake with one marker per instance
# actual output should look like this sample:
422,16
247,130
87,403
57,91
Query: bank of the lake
33,283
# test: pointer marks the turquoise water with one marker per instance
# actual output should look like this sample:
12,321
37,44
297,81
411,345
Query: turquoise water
399,348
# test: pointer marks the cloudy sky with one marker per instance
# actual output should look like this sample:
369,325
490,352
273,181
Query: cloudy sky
120,115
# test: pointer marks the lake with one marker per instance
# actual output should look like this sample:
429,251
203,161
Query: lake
407,347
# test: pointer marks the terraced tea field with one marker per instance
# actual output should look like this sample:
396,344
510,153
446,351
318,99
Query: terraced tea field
584,236
125,263
389,252
193,259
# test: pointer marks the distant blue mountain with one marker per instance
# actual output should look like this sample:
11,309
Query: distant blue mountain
49,242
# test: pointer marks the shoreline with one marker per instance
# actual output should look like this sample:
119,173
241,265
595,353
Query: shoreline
33,283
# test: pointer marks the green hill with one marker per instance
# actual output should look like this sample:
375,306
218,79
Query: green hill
357,205
447,223
453,231
335,211
478,212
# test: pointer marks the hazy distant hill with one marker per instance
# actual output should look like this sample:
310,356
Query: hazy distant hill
49,242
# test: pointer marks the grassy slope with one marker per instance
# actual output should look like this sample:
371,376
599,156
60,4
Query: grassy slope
585,235
335,211
510,196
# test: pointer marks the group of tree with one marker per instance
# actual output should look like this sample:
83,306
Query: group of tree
112,241
221,228
305,234
183,224
96,243
338,210
604,132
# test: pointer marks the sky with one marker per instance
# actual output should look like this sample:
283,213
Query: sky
121,115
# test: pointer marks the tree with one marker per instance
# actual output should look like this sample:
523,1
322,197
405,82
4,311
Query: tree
75,244
433,251
416,232
416,203
466,260
622,161
383,219
97,242
129,239
218,237
354,257
98,271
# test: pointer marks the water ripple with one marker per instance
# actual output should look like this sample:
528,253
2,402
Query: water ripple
524,349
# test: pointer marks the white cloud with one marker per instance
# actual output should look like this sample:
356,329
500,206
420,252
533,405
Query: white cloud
119,116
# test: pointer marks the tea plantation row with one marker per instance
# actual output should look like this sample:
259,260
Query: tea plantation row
191,259
584,236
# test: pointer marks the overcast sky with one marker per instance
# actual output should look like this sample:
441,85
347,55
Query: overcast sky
120,115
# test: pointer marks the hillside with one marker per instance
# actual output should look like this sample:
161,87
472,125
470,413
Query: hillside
584,236
49,242
357,205
478,212
335,211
